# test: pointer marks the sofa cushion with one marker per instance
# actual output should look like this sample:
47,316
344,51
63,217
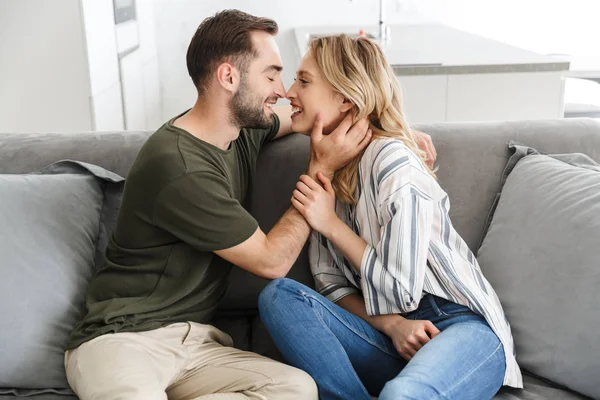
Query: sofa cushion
537,389
26,152
277,171
51,229
37,394
540,253
44,396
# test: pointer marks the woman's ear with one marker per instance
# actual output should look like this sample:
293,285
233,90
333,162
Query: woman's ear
346,106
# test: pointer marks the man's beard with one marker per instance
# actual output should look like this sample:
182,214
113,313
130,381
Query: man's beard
248,111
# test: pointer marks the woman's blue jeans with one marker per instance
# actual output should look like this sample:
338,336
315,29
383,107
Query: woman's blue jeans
349,359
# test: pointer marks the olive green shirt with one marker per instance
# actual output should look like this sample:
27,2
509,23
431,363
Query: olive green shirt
183,199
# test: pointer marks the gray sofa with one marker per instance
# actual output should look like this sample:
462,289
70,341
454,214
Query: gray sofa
471,158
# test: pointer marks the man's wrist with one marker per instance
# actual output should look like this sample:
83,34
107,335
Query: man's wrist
314,167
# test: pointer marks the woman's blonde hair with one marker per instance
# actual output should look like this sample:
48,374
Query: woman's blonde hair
359,71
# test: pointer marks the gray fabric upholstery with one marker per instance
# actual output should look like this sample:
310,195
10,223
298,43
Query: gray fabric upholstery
471,159
21,153
534,388
541,255
50,223
538,389
13,394
40,397
278,169
472,156
237,326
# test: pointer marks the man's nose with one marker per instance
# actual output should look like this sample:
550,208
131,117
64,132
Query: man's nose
280,90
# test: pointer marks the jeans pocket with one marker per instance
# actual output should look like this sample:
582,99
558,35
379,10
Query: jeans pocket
453,309
417,314
435,307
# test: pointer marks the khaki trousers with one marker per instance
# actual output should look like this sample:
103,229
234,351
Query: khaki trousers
182,361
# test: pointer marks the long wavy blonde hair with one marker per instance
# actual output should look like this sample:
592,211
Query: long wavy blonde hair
358,70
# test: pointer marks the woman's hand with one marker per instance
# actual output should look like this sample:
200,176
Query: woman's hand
315,203
409,335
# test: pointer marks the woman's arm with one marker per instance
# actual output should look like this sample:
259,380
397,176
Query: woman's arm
393,271
330,281
316,203
408,336
356,305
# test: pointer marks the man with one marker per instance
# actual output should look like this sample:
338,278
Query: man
182,224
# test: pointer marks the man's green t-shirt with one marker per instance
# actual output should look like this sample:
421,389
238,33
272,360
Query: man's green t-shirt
183,199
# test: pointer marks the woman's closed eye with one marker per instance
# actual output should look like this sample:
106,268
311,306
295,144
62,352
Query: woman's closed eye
303,81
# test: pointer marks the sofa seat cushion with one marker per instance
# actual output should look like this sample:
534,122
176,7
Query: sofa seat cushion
15,394
540,254
41,397
52,225
538,389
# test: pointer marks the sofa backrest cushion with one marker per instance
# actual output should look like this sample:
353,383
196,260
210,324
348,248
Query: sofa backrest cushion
541,256
52,222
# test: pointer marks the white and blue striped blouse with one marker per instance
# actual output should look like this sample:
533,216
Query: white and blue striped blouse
402,214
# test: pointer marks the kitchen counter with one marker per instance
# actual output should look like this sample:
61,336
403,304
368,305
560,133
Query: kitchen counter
435,49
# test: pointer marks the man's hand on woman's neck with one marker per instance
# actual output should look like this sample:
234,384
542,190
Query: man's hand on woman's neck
329,153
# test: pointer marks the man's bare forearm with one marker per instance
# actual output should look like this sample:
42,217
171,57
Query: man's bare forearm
286,239
314,168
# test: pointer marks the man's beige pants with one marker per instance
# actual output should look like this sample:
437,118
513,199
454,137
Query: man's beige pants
179,362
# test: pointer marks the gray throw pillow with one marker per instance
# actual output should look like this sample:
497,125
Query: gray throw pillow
541,253
53,226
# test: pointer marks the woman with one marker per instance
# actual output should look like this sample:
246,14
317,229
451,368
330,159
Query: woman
402,310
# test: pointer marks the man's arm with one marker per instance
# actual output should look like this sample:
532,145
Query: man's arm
272,255
285,120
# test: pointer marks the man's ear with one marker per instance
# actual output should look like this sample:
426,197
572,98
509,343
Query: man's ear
228,77
346,106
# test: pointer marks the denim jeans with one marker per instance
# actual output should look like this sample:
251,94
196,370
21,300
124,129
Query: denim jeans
349,359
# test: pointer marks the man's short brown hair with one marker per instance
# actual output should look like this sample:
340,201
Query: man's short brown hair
224,37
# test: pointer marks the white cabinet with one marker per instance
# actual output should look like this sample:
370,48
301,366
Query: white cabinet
504,96
424,97
133,91
152,94
482,97
107,109
64,68
105,83
451,75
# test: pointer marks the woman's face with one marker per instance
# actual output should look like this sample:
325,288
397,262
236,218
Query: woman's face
311,94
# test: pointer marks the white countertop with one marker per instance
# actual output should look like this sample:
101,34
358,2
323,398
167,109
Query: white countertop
439,49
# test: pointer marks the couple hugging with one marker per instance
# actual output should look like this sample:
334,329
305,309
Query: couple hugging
401,309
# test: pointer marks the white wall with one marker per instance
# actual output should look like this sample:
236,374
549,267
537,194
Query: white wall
542,26
103,63
539,25
176,21
44,84
59,69
139,72
44,72
149,58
